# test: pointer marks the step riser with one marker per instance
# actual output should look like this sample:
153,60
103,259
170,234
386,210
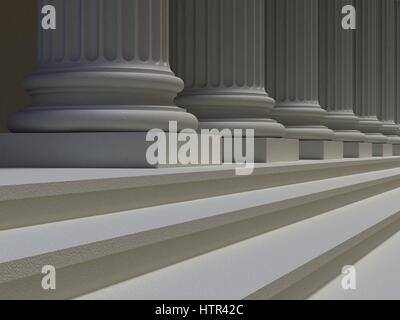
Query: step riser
89,276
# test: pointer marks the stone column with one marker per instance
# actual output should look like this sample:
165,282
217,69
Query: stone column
292,67
292,75
218,50
102,81
367,70
104,69
387,70
336,71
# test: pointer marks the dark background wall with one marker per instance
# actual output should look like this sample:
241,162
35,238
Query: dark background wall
17,54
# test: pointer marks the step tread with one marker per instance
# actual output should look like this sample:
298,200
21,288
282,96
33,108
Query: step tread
239,270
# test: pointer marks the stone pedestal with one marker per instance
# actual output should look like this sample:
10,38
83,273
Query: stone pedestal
396,150
276,150
382,150
321,150
357,150
105,69
74,150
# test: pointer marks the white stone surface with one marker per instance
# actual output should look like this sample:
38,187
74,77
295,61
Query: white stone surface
377,276
256,262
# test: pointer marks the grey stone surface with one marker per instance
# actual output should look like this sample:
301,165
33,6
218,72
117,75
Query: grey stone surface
396,150
292,67
357,150
387,150
336,65
387,60
220,57
117,80
367,67
321,150
74,150
276,150
382,150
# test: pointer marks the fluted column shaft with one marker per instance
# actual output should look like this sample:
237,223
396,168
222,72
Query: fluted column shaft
218,50
367,69
387,70
292,67
336,65
105,68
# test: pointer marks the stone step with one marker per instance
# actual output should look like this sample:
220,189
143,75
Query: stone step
376,276
263,266
94,252
51,195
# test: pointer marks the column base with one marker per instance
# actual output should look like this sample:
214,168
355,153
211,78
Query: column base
276,150
377,138
357,150
74,150
309,133
321,150
382,150
349,135
262,127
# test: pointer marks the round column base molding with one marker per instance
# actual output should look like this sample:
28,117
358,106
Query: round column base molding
100,119
262,127
239,103
100,87
341,120
369,125
310,133
376,138
394,139
298,114
349,136
390,128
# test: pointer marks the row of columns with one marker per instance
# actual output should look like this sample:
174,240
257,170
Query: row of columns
285,68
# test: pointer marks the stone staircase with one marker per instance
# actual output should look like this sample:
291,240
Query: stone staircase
195,233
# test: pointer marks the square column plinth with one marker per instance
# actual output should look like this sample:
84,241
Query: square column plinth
357,150
74,150
266,150
382,150
276,150
321,150
396,150
96,150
